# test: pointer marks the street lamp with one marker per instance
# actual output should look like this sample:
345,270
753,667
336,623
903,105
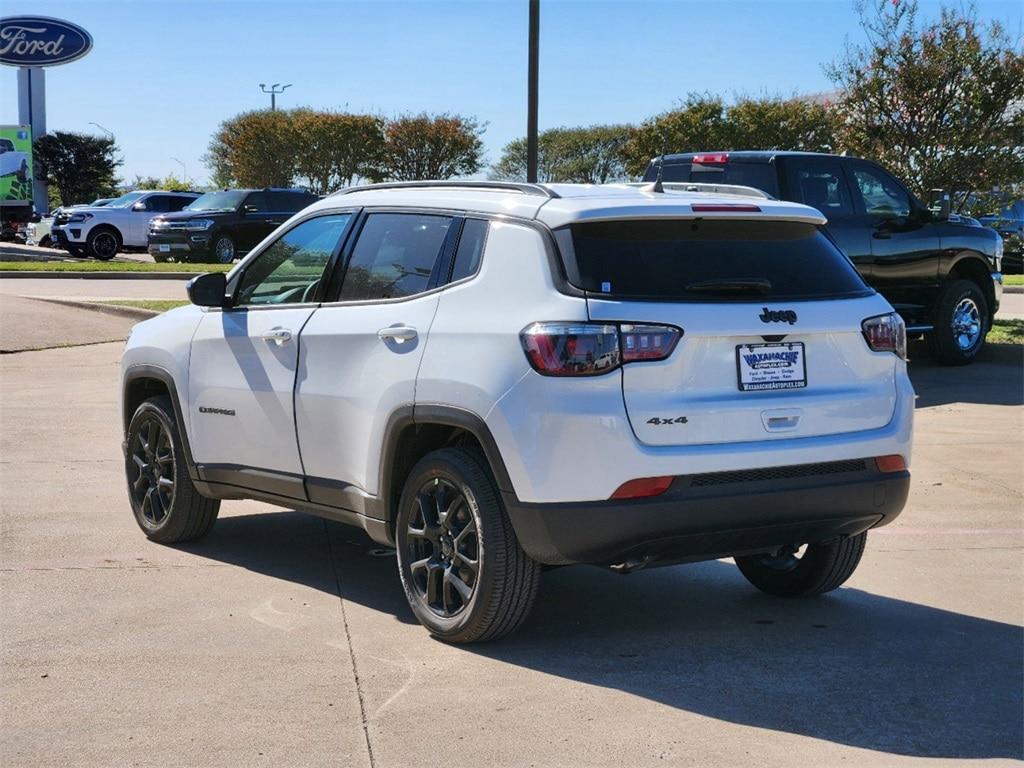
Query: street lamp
107,131
274,90
184,171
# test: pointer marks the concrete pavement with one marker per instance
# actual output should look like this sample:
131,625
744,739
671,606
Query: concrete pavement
284,640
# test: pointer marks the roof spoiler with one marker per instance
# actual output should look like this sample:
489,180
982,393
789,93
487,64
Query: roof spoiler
699,186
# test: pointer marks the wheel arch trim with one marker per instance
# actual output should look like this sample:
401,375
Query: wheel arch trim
162,375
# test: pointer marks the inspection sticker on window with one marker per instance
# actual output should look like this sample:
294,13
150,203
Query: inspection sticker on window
771,366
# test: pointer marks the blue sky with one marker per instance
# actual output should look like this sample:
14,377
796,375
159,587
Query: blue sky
162,75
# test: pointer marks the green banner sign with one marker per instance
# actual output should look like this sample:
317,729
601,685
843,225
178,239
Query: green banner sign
16,162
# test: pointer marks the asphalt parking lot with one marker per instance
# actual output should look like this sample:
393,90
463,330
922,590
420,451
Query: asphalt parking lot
284,640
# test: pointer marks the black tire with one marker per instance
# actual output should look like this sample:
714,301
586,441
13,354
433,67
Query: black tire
821,568
103,243
504,584
956,339
223,249
45,242
180,514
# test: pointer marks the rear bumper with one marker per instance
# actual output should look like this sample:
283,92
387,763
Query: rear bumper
714,515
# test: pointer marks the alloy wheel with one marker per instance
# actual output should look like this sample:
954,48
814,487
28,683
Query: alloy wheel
105,245
152,483
966,324
224,250
785,558
444,550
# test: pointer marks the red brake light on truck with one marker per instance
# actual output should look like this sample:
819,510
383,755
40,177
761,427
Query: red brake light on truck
715,158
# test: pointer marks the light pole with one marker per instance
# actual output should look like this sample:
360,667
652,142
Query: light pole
531,92
274,90
107,131
184,171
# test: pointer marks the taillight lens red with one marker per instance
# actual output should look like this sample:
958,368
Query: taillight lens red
591,349
891,463
886,333
642,488
647,342
724,208
714,158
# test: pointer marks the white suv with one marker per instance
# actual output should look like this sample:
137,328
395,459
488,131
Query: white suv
121,224
493,378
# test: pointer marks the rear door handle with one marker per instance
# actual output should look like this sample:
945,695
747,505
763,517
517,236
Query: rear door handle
397,333
278,335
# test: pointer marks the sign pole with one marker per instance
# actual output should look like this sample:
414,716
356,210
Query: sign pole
32,112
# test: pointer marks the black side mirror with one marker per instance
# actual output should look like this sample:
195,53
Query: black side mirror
940,204
208,290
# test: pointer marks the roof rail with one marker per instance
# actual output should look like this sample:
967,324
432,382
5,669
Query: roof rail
508,186
700,186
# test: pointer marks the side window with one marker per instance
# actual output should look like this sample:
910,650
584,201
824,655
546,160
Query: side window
883,196
821,185
257,200
177,203
394,256
289,269
288,202
471,246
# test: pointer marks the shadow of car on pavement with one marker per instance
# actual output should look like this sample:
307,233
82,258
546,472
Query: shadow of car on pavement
854,668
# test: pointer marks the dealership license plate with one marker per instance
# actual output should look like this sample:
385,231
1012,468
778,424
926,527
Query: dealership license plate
164,248
771,366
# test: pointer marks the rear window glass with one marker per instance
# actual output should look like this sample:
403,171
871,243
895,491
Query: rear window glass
707,260
757,175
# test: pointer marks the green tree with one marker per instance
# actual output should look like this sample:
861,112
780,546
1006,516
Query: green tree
590,155
334,149
429,147
80,166
255,149
699,124
940,103
706,122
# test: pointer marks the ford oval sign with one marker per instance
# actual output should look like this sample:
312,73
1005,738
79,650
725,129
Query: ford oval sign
39,41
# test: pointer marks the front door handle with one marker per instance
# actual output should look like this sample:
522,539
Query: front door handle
397,333
278,335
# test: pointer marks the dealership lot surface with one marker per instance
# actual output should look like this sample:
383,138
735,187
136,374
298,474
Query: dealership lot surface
285,640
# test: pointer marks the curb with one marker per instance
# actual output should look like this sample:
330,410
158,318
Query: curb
134,313
69,275
1013,289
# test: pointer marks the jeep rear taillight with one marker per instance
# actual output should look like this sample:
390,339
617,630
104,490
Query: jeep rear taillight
886,333
647,342
591,349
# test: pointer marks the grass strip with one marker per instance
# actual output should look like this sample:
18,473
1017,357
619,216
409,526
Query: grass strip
107,266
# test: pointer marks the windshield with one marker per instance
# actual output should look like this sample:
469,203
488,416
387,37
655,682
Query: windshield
217,201
124,200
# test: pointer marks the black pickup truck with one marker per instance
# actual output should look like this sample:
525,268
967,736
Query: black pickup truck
941,272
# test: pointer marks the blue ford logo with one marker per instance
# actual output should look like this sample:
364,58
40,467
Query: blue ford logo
39,41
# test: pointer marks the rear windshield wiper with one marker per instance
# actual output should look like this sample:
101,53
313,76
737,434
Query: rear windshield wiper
754,285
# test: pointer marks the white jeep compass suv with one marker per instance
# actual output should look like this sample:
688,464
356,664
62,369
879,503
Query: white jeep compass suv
493,378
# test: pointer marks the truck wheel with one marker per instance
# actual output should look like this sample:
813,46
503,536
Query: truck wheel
961,323
103,243
464,574
167,506
819,569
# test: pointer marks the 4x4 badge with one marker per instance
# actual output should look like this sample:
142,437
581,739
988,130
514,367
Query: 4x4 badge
782,316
